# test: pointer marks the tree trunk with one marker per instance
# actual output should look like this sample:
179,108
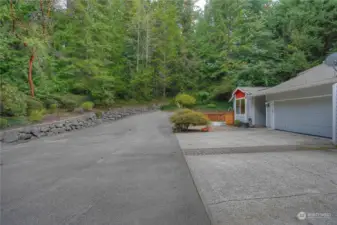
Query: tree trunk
164,77
147,43
42,15
13,16
30,77
138,44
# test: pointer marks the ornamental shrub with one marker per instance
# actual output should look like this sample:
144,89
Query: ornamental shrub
185,101
183,119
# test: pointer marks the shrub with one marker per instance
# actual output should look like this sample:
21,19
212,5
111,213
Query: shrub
185,118
3,123
13,102
53,108
36,115
33,104
185,100
212,106
183,111
68,104
203,96
49,102
237,123
99,114
104,102
68,101
87,106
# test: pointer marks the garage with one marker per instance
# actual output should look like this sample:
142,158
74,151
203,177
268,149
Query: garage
311,116
305,104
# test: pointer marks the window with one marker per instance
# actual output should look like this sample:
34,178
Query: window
240,106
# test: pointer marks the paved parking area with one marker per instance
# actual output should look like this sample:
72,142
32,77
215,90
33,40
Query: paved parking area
268,188
263,177
248,140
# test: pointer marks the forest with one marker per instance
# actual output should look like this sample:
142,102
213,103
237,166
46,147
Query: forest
110,51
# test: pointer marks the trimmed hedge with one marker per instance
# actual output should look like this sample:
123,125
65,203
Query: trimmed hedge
183,119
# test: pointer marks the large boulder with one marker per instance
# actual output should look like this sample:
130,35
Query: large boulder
11,136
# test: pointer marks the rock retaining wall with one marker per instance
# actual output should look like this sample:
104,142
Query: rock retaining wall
70,124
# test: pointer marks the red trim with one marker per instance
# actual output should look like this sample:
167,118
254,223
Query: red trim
239,94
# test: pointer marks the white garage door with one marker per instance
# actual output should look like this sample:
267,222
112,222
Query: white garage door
306,116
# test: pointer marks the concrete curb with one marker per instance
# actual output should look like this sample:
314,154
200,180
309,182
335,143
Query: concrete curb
203,198
257,149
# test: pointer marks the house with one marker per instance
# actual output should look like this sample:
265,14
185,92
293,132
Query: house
248,109
305,104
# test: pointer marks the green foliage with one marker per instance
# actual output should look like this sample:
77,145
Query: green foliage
68,104
68,101
13,102
144,50
182,111
185,100
237,123
203,96
87,106
211,106
3,123
168,107
99,114
36,115
183,119
48,102
53,108
33,104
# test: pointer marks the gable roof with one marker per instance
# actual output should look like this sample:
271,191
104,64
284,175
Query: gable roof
318,75
248,90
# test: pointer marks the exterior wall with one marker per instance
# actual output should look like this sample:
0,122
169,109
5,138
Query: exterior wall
334,113
259,113
249,108
302,93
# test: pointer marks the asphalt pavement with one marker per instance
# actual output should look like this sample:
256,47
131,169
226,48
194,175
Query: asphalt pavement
128,172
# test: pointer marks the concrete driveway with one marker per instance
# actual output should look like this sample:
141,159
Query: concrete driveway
268,188
235,140
260,177
129,172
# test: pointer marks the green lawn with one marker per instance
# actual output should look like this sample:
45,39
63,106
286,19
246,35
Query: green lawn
214,106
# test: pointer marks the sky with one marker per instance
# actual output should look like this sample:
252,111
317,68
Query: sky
201,3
